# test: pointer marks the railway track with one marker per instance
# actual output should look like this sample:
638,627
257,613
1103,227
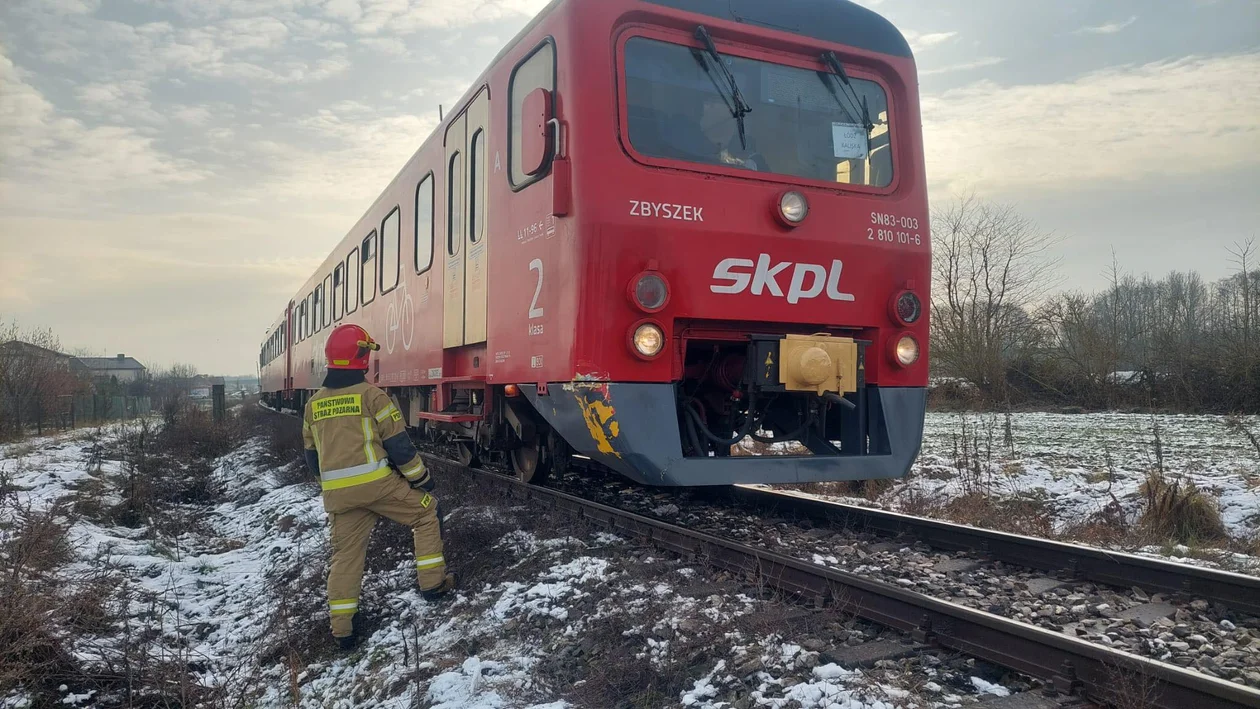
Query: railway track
1069,667
1111,568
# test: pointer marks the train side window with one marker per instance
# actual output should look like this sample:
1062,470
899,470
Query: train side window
424,224
351,285
391,245
536,71
367,270
477,187
339,292
317,304
453,212
325,310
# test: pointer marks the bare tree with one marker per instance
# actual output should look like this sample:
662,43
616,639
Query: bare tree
1243,256
172,386
991,265
34,375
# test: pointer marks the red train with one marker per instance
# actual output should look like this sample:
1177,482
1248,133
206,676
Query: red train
653,228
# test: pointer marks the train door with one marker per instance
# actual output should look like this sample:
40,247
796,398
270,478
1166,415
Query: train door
289,338
464,294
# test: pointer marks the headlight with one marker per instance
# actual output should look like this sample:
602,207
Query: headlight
906,351
648,339
907,308
651,292
793,207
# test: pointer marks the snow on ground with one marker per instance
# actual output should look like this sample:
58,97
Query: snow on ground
545,618
1078,461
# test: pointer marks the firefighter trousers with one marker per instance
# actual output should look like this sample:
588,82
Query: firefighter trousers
354,511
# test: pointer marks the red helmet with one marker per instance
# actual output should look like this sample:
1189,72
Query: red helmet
348,347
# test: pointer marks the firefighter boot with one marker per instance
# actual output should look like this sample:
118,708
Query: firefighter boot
437,592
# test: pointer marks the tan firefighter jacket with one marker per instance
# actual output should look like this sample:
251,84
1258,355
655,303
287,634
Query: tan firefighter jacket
353,434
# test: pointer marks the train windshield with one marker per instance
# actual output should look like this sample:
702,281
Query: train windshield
803,123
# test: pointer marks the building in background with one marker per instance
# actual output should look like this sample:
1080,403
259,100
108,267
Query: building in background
16,350
201,385
119,368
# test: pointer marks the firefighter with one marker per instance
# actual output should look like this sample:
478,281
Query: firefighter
357,444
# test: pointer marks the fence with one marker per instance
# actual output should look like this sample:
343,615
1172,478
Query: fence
92,409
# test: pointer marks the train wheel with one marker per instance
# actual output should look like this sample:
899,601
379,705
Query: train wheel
531,463
467,453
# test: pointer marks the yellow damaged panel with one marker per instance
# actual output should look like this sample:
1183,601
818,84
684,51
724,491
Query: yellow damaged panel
818,363
599,421
335,406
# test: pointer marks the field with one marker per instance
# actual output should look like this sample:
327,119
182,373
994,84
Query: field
1077,475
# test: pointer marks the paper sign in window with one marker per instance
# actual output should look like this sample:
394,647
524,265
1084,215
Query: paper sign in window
849,140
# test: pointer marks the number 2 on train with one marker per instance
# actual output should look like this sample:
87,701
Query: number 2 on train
534,310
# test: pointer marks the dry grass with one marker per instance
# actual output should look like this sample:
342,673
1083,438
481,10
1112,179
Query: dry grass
867,489
1238,425
609,666
1176,510
1020,515
1106,528
284,448
33,547
48,610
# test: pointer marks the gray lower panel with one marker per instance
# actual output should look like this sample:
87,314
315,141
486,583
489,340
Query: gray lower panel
633,429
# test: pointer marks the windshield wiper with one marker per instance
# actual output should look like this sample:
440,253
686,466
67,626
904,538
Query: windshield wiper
830,59
739,107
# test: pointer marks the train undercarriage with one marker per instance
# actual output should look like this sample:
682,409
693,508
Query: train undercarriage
769,409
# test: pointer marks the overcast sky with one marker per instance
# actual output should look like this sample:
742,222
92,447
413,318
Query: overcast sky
171,170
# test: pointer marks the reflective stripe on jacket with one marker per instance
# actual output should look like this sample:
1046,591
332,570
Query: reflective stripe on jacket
354,433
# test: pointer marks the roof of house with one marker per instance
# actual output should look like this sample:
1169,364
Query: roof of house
27,349
15,345
111,363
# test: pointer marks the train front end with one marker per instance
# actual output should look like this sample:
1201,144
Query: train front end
756,287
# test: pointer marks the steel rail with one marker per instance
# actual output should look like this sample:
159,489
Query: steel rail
1072,667
1111,568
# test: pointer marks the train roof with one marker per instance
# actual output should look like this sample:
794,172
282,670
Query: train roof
836,21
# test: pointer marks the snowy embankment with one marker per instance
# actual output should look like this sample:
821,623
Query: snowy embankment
226,596
1079,463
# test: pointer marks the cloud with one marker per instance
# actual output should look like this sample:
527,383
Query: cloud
340,158
192,115
51,159
124,101
197,279
964,66
256,50
1108,28
919,41
72,7
1168,119
387,46
403,17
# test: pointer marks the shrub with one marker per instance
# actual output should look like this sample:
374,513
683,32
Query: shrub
1178,511
33,547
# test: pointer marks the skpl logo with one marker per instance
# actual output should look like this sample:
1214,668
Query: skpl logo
765,278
